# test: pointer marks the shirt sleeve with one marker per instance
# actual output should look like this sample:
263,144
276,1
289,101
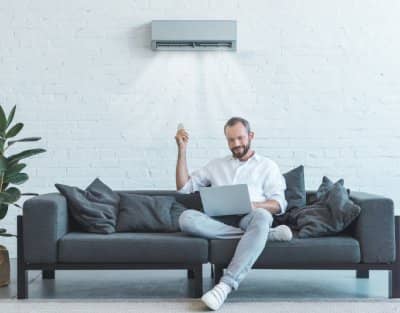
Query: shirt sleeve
198,178
275,186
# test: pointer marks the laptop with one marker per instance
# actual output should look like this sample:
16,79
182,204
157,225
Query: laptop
226,200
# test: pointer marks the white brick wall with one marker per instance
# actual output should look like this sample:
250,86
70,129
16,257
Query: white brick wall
317,79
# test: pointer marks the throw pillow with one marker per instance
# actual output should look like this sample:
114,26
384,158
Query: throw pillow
95,209
144,213
331,214
295,192
325,187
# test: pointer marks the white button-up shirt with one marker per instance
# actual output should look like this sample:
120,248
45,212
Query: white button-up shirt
261,174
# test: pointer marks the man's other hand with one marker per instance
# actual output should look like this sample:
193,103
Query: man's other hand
182,138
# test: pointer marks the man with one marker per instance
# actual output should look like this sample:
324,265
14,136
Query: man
266,187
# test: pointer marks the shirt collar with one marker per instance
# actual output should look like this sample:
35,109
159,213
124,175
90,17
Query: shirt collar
255,157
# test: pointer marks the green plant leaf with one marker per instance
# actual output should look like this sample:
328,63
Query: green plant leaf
24,154
17,205
3,121
3,164
17,179
14,169
11,115
14,130
14,192
11,142
3,210
8,196
29,194
8,235
2,141
2,230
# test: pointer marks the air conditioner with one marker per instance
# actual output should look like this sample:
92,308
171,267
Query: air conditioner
189,35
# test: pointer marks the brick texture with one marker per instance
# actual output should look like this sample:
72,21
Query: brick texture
318,80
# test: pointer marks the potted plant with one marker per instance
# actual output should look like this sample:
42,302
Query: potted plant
10,173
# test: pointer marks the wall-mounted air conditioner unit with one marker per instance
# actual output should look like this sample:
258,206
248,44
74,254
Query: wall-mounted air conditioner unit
178,35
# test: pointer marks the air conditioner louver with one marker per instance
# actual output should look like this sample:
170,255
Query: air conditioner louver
189,35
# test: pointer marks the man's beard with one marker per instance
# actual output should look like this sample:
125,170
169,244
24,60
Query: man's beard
239,153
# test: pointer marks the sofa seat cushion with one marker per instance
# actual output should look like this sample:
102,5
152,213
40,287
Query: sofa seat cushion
80,247
298,251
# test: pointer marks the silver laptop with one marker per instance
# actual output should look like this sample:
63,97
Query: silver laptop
226,200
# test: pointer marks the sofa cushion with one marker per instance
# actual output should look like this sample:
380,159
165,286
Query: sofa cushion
145,213
132,248
94,209
325,250
295,192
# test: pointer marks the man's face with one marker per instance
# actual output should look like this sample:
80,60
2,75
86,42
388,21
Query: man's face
239,139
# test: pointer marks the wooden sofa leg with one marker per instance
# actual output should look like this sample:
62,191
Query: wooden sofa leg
198,281
22,273
394,274
218,272
48,274
362,273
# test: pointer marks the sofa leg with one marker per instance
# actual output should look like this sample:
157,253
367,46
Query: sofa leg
22,273
190,274
48,274
362,273
218,272
198,281
394,284
22,282
394,274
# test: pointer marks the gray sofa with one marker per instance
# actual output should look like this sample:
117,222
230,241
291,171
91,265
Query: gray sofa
49,240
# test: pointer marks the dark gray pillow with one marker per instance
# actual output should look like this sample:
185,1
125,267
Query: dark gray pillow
95,209
295,192
144,213
325,187
331,214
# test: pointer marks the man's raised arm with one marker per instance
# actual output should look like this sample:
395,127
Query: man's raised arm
182,174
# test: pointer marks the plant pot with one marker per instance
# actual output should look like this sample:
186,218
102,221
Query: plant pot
4,266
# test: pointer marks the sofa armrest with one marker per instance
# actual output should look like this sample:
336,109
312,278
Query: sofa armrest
45,220
374,228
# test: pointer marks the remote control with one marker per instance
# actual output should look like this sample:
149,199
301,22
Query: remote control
180,126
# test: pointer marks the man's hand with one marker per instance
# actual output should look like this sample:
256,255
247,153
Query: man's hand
269,205
182,138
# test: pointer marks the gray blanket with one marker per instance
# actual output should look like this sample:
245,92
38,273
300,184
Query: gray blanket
330,212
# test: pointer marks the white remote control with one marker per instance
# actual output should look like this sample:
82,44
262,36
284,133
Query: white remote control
180,126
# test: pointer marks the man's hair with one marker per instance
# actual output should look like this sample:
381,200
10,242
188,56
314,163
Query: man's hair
234,120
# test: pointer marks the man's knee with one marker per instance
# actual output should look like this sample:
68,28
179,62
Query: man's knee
187,220
262,217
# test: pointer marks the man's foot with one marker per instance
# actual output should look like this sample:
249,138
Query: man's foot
280,233
215,297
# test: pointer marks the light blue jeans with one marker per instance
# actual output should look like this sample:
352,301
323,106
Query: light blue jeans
253,230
